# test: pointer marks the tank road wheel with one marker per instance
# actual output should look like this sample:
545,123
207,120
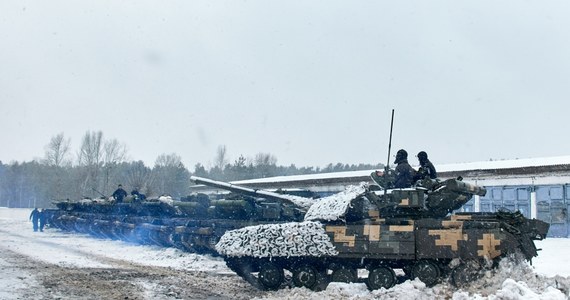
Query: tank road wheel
465,273
427,271
345,274
270,275
323,281
381,277
305,276
309,277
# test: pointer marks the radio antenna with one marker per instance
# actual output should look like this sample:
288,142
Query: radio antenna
387,168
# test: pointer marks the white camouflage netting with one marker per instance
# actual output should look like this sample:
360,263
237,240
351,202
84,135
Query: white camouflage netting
301,201
334,207
277,240
166,199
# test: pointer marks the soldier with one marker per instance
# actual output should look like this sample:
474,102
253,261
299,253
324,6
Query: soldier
35,217
137,196
42,218
426,170
119,194
404,172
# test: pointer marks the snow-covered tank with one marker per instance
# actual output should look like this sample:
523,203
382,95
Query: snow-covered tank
367,227
194,223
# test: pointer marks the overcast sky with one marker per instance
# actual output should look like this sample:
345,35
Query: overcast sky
311,82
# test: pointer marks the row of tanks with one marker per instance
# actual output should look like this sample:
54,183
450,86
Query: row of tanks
194,223
362,234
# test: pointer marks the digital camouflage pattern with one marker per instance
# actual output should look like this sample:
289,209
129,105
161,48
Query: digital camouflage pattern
412,229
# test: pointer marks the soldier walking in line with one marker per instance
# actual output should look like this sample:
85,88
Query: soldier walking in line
35,217
42,219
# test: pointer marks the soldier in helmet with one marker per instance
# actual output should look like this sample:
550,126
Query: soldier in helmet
404,172
426,170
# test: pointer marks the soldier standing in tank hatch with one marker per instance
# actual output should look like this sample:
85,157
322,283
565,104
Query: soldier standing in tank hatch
35,217
426,170
404,172
119,194
138,197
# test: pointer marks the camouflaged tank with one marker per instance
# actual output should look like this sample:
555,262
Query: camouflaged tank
194,223
368,228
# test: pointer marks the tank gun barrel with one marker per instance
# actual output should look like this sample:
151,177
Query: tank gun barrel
464,187
289,199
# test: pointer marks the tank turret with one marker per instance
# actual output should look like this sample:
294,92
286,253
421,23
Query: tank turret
429,198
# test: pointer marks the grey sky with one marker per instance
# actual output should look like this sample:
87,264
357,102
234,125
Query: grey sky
311,82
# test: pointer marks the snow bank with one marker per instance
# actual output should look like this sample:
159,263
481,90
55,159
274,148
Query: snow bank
493,287
515,279
410,289
334,207
285,240
519,290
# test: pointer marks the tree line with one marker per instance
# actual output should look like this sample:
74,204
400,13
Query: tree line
100,164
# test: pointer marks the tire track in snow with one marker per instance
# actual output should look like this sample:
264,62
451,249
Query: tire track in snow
81,273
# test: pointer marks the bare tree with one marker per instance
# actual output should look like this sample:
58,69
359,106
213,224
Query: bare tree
168,160
57,158
171,176
91,158
265,165
57,151
264,159
99,158
114,152
221,159
91,152
140,177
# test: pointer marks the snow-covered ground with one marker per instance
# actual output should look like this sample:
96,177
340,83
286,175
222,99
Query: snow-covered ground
50,265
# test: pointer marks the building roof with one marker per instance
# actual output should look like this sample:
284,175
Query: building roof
506,164
444,168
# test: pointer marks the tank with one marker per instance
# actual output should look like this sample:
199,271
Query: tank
194,223
366,232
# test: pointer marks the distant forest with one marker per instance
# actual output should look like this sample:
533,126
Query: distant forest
100,165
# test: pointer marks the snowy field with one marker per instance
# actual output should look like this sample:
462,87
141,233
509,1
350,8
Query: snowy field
59,265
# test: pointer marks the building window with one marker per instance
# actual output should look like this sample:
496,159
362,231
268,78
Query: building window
542,193
509,194
556,193
496,194
522,194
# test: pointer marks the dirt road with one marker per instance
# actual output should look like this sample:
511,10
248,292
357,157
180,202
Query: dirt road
114,279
